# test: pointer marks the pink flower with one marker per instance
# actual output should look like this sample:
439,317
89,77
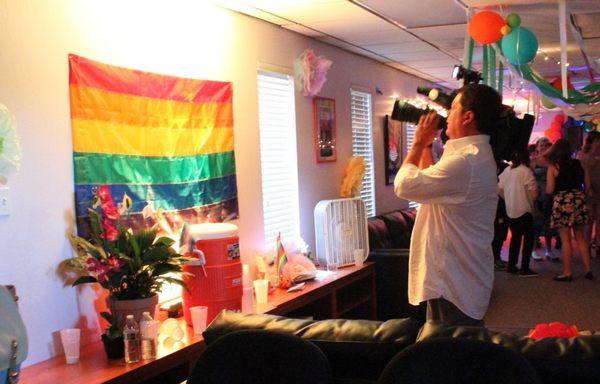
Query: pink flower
104,193
110,231
115,264
102,275
93,264
109,209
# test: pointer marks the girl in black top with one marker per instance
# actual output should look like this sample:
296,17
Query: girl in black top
565,180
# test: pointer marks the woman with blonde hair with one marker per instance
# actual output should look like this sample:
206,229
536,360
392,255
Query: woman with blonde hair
565,180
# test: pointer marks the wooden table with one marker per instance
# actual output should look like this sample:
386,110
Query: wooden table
350,293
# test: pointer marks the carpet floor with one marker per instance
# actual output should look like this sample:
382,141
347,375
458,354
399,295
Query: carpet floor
519,303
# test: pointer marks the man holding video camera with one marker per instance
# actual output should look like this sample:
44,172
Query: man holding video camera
451,262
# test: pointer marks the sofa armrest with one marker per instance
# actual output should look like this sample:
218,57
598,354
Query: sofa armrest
355,348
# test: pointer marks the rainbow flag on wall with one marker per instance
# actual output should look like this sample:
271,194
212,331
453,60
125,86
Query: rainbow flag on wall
163,140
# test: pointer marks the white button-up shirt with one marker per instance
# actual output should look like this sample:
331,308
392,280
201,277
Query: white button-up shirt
450,248
516,184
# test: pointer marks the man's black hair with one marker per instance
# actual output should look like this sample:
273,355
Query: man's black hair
486,105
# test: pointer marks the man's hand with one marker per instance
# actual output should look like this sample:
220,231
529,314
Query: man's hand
427,129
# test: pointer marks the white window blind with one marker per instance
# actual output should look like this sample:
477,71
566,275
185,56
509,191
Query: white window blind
362,144
278,158
409,134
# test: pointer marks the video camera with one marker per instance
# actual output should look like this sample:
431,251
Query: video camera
511,133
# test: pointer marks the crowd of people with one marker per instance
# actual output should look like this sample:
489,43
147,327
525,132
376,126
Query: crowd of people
547,192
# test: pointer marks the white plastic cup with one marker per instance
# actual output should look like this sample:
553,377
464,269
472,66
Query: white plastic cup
70,339
261,289
246,281
332,264
199,315
359,257
247,301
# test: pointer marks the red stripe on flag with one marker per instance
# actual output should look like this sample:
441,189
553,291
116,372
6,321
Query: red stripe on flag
110,78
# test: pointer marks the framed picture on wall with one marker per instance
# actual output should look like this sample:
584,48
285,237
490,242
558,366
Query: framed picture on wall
393,148
324,129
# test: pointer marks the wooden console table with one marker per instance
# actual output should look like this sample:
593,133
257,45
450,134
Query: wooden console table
349,293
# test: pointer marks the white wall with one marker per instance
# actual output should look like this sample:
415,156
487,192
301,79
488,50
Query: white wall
180,38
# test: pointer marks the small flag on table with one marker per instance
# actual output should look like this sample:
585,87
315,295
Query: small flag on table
281,260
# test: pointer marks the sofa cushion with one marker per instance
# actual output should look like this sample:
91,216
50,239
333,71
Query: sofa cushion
400,227
379,236
356,349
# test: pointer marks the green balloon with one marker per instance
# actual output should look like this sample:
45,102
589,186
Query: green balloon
513,20
519,46
547,103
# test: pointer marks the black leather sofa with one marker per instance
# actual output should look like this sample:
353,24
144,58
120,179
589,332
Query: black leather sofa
358,350
389,243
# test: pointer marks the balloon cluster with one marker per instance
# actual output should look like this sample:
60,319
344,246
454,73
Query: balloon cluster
518,44
555,131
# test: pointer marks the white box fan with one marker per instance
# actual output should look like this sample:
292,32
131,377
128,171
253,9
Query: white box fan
340,228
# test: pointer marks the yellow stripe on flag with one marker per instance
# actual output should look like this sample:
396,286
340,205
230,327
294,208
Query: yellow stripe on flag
93,136
96,104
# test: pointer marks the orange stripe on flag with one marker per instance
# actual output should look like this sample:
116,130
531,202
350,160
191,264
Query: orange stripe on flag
110,78
96,104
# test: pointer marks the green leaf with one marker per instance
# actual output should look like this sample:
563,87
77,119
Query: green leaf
135,245
84,280
164,268
95,222
174,280
166,241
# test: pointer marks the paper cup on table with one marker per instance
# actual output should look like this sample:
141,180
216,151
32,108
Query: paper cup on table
261,290
70,340
359,257
199,315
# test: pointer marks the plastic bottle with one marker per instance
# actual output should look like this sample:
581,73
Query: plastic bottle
131,337
148,330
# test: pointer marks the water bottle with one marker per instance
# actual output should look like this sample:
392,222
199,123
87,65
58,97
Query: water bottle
148,330
131,337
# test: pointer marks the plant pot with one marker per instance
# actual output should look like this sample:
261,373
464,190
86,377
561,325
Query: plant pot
121,308
114,348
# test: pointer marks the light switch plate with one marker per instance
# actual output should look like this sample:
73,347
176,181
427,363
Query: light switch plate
4,202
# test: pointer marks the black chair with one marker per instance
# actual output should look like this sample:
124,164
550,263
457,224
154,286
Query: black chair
454,361
258,356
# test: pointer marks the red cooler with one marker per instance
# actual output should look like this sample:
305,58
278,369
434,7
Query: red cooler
217,275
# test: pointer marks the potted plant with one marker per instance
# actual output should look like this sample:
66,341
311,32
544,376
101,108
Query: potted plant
131,265
113,338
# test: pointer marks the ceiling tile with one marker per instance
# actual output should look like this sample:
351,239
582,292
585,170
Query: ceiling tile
420,13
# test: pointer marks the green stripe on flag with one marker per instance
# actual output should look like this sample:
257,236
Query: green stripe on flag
94,168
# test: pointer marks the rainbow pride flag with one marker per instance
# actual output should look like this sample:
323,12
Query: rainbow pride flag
281,256
163,140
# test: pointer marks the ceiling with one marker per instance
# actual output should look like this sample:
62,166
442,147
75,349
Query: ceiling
426,37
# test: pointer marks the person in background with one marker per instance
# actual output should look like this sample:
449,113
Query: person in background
518,188
590,159
500,234
451,262
565,180
543,204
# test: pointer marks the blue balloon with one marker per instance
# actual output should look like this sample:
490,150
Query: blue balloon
519,46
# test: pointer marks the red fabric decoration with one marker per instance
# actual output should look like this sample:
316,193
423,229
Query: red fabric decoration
485,27
556,329
552,134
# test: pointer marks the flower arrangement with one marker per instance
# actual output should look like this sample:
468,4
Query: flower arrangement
129,264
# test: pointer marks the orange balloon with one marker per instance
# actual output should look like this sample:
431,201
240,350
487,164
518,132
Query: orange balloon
485,27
